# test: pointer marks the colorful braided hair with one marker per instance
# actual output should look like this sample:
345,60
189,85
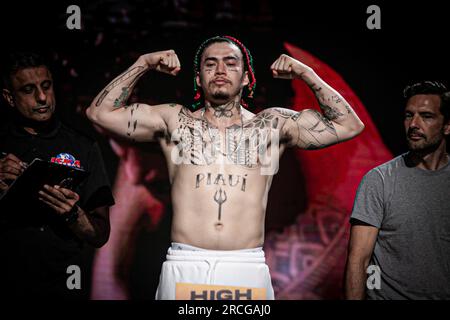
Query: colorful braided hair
248,66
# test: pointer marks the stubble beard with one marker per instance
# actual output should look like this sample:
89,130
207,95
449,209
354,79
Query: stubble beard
425,146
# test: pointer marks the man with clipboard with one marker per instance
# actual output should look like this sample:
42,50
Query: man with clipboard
44,230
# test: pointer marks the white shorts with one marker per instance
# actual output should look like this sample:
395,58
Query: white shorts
194,273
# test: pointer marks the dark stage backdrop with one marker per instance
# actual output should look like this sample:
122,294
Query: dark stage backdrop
311,197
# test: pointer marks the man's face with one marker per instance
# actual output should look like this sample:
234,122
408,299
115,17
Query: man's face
32,93
222,75
424,123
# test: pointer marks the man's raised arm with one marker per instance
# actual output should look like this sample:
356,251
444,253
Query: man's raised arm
311,129
137,121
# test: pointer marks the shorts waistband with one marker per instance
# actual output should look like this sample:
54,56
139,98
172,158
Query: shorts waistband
180,251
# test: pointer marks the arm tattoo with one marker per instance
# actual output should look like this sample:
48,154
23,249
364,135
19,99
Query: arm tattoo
288,114
132,123
330,113
336,99
314,87
312,130
324,120
134,72
263,120
310,134
120,101
349,110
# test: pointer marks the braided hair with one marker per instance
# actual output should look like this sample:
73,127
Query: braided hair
248,66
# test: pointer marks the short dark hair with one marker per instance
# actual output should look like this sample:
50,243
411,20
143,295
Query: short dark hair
15,61
431,87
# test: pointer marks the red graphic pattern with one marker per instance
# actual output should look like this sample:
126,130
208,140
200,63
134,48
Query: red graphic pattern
307,259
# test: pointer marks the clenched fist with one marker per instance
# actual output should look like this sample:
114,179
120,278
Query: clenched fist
286,67
163,61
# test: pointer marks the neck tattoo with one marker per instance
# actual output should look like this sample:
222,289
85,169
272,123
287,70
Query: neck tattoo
226,111
225,154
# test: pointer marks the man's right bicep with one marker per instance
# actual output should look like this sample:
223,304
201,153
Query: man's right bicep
137,122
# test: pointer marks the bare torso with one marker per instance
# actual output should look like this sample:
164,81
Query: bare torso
221,176
220,181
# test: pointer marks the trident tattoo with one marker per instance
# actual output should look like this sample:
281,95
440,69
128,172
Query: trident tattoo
220,199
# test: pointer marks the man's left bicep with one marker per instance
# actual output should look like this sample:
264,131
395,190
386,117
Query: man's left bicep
310,130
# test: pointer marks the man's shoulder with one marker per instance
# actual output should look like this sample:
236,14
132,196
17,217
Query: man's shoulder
388,168
186,110
179,110
268,113
282,114
277,111
273,117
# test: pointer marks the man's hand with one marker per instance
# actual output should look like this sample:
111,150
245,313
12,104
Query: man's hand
60,199
286,67
163,61
10,168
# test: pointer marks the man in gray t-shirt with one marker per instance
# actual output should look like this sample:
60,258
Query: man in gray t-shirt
400,236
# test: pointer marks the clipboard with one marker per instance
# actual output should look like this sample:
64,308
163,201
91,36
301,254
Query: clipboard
24,190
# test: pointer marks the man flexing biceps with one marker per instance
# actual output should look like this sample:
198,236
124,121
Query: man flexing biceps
221,160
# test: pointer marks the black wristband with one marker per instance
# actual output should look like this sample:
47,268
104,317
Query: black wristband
71,216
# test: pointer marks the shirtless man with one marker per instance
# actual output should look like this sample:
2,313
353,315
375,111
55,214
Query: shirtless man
221,160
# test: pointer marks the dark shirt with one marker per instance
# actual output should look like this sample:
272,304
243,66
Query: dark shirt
36,245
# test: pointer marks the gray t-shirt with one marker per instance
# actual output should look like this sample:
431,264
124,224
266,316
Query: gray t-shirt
411,209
